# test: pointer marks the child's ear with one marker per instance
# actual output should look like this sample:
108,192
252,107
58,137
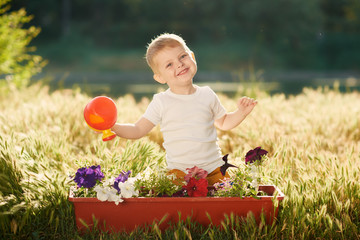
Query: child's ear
159,79
193,56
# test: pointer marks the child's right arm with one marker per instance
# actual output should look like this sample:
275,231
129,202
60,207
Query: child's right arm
133,131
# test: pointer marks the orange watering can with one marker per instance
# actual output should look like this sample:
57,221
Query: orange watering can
101,114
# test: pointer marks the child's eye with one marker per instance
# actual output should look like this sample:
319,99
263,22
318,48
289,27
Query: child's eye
169,65
182,56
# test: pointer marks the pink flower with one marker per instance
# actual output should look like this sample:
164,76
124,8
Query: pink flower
195,172
197,187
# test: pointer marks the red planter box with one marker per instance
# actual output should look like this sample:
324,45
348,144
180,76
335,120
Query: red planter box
135,212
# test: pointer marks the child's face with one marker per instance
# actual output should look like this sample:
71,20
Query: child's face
175,66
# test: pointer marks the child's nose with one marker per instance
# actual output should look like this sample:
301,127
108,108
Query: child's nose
180,64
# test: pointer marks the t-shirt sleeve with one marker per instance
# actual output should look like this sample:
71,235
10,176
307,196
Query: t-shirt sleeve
153,111
217,108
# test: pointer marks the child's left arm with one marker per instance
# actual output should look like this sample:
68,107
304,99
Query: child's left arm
233,119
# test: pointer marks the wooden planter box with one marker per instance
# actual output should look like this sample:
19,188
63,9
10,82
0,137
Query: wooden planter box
133,212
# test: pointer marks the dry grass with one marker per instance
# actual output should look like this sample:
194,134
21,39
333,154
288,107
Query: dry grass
312,139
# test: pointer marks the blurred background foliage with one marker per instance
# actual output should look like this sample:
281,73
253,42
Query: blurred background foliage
278,34
99,45
17,64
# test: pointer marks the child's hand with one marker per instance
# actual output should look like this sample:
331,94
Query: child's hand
246,105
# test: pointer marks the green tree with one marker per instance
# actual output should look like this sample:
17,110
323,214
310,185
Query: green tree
17,64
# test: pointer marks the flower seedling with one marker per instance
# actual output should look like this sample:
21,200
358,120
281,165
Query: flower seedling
157,183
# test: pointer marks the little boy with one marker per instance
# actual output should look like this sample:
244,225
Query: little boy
187,113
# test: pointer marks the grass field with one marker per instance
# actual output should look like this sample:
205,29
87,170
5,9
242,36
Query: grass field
313,141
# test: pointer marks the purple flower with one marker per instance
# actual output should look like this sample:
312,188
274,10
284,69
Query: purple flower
87,177
254,155
123,176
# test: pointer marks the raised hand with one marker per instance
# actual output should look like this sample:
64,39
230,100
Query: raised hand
246,105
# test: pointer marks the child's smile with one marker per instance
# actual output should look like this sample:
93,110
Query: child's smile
183,71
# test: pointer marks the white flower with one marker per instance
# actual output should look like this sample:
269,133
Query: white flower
145,174
107,194
132,180
254,183
113,197
254,170
128,189
109,181
101,193
254,174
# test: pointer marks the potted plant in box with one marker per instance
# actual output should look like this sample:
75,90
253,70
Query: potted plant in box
154,195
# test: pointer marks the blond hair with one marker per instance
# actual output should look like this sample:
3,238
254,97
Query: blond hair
159,43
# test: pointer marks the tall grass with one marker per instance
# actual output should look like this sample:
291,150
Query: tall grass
312,139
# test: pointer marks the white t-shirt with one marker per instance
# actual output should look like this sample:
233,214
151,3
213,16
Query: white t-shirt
187,124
